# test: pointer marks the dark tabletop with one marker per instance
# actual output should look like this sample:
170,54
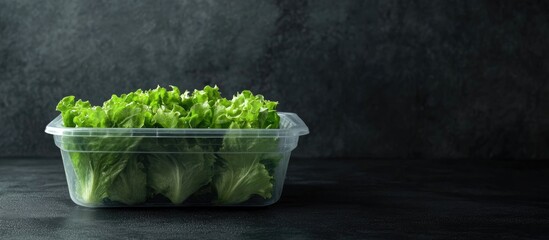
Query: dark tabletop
322,198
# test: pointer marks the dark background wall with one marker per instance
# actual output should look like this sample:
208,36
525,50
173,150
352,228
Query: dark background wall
437,79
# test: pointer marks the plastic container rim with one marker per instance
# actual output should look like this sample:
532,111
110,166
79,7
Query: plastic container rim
296,128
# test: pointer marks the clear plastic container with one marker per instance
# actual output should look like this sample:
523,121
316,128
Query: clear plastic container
149,167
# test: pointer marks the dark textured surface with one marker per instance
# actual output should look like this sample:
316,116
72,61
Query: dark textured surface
412,79
380,199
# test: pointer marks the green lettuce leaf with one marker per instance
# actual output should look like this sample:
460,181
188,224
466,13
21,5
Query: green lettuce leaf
97,171
239,177
246,163
245,167
179,175
130,186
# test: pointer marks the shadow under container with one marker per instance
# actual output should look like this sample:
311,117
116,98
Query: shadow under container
159,167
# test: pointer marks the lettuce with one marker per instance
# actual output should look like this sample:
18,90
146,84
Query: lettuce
130,170
177,176
130,186
97,171
109,173
241,171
